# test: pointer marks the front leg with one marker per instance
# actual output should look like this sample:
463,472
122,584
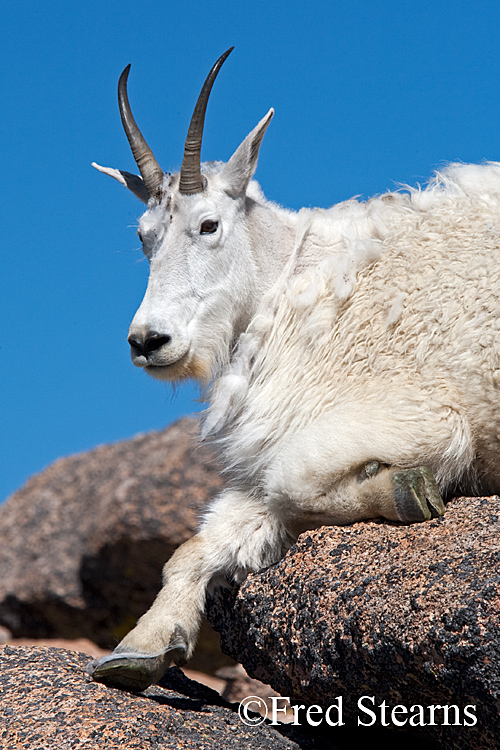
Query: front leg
167,632
239,535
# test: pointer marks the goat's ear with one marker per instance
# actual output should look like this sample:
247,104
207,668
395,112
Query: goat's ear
239,170
131,181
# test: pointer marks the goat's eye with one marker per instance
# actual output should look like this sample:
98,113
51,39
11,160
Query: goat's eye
209,227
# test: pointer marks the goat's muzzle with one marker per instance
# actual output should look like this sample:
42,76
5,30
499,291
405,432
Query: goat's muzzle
151,342
153,349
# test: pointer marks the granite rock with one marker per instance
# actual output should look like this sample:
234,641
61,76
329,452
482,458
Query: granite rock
409,615
49,702
82,544
238,685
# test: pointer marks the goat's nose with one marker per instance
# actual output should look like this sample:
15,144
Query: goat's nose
148,343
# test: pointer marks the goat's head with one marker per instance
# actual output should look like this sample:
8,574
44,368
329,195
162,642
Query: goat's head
194,234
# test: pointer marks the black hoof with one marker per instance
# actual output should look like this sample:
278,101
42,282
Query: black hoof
416,495
135,671
128,671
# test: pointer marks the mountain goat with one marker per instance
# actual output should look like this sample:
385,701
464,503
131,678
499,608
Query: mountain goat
353,356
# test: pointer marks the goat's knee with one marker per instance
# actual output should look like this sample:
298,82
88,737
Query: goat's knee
245,535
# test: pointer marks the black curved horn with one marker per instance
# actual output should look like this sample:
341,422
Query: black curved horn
190,179
150,170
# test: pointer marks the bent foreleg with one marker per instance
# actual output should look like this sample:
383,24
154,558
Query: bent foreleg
239,535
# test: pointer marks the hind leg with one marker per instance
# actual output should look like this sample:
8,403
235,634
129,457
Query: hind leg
373,490
407,495
360,461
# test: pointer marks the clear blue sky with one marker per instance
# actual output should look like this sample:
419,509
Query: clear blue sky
367,94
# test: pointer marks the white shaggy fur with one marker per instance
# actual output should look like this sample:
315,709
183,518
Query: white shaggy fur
331,339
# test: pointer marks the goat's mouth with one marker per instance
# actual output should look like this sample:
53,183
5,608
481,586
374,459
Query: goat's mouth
154,366
184,368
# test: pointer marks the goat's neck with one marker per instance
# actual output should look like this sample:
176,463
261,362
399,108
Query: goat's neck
272,235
